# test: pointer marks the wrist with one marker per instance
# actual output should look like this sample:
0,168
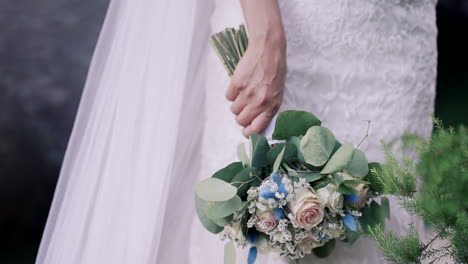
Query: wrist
273,37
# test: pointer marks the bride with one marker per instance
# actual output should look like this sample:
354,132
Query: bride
154,116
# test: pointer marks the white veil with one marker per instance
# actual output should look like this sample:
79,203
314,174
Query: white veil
126,178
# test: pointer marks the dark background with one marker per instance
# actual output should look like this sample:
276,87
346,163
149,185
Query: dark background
45,50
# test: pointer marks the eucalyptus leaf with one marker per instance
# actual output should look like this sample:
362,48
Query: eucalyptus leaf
325,250
340,160
290,151
242,154
217,210
358,166
296,141
336,147
243,180
224,221
375,214
209,224
259,148
229,172
309,176
278,160
322,183
294,123
229,253
317,145
215,190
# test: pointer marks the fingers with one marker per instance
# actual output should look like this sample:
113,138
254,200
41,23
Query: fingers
258,124
234,89
248,114
238,105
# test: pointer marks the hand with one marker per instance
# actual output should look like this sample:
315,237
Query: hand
257,84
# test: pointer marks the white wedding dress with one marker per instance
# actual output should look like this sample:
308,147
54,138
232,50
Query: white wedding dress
348,61
153,118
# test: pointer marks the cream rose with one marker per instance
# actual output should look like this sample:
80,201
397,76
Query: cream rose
307,208
331,197
266,220
234,230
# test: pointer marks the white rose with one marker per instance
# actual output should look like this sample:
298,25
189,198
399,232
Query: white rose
307,208
266,220
331,197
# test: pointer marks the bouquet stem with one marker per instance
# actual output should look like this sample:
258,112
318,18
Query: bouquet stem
230,45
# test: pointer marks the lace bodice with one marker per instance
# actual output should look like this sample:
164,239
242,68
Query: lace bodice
348,61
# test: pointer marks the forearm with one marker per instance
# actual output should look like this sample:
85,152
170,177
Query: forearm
263,19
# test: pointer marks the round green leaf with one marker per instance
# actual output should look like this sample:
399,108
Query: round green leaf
209,224
294,123
224,221
340,160
216,210
229,172
215,190
296,141
317,145
358,167
229,253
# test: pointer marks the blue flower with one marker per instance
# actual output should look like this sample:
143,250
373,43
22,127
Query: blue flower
266,192
279,213
251,236
350,222
276,178
252,255
351,198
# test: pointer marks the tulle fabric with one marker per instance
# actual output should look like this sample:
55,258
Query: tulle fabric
135,140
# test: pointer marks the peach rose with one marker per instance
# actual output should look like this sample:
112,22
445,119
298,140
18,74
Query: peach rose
307,209
266,220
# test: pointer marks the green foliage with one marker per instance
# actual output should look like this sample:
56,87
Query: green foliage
440,200
340,160
395,177
325,250
359,165
460,238
374,215
290,152
317,145
259,148
229,172
398,250
294,123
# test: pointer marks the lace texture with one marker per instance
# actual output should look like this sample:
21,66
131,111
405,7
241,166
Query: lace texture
349,61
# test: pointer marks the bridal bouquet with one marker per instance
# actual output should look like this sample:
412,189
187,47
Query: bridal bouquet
294,195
